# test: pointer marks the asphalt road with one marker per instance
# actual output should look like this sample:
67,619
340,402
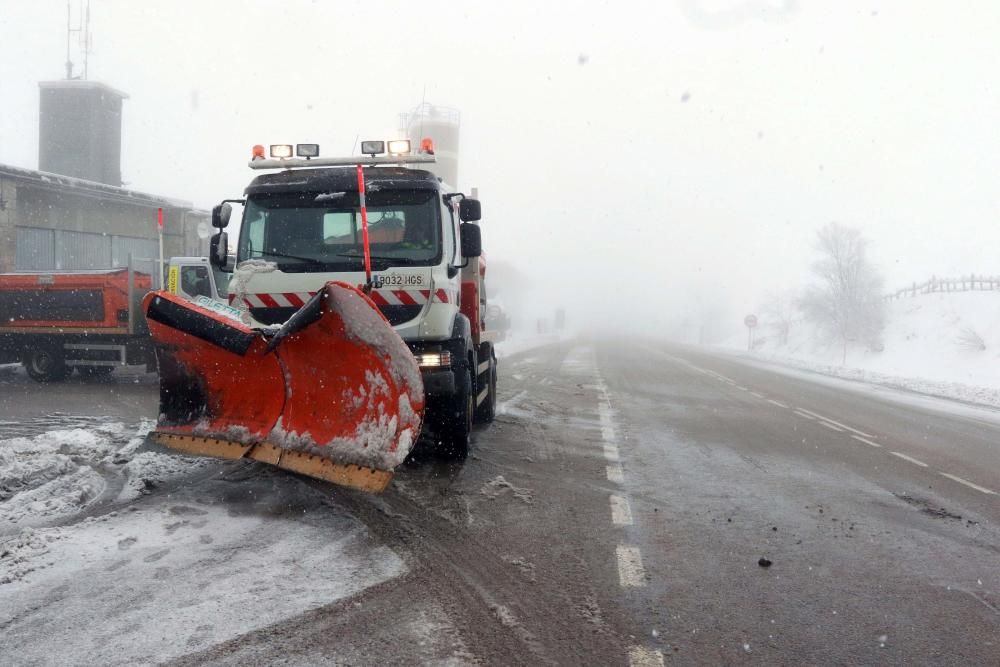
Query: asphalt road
616,513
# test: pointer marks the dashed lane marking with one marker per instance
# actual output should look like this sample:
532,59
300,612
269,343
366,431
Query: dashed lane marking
910,459
607,423
804,415
742,388
981,489
640,656
760,396
611,452
621,513
834,421
630,571
616,474
866,441
778,403
831,426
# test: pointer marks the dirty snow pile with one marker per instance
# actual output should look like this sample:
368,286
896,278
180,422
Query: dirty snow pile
62,472
945,344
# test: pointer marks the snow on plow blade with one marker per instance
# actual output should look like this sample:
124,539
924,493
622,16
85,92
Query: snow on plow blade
334,393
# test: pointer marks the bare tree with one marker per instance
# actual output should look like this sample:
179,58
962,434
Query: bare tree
779,310
846,300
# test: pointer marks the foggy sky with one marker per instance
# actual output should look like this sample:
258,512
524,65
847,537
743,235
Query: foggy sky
636,159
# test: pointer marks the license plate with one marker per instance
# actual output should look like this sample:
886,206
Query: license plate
398,280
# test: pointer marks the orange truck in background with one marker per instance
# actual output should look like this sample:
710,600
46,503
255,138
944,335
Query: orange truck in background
57,321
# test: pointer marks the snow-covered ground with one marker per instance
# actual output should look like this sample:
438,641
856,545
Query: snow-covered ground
97,569
518,341
931,345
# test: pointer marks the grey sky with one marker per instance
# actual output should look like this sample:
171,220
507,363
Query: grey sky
694,148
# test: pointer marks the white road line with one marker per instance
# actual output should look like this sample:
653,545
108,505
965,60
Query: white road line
607,423
969,484
616,474
910,459
834,421
760,396
611,452
832,427
640,656
778,403
802,414
630,571
742,388
621,513
866,441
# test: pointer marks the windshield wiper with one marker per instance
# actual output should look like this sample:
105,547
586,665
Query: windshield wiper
383,258
311,260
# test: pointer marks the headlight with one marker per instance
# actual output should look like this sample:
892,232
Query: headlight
434,359
281,150
399,147
372,147
307,150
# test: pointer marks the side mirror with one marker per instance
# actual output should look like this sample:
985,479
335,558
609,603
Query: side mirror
220,215
472,239
218,253
469,210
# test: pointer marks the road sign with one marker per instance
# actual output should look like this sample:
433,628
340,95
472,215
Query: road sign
750,321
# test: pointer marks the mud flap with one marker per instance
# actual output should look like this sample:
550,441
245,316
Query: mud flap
334,393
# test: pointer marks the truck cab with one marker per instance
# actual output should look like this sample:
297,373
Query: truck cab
302,227
193,277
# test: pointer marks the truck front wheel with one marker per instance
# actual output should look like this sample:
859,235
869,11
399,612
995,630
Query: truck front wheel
456,431
45,364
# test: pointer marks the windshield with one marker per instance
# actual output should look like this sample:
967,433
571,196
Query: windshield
323,231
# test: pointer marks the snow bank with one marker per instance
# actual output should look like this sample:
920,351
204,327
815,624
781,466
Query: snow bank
60,473
946,344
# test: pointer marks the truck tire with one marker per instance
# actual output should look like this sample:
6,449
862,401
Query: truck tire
45,364
456,431
487,410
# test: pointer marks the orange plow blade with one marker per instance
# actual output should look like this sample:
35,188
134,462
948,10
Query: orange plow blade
334,393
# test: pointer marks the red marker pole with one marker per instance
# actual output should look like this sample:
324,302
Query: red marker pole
364,226
159,227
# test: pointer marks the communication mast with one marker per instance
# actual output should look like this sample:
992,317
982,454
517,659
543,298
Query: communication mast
83,37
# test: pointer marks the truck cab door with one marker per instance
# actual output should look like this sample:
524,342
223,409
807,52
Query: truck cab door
193,280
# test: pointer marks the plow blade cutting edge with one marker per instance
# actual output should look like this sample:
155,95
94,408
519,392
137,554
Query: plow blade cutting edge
334,393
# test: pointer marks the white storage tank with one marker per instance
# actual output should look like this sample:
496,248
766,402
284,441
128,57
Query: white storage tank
441,125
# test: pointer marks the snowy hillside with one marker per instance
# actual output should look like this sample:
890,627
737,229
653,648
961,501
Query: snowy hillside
942,343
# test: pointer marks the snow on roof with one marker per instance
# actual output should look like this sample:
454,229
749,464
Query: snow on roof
48,180
83,85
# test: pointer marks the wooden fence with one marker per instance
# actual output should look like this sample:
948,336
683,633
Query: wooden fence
967,283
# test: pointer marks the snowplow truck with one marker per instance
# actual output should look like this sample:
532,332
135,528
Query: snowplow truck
356,321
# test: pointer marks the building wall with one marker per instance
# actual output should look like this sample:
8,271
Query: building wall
8,217
60,229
